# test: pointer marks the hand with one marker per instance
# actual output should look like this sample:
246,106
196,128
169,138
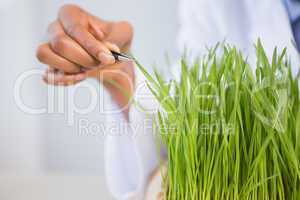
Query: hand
79,46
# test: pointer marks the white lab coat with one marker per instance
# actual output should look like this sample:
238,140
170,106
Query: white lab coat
132,155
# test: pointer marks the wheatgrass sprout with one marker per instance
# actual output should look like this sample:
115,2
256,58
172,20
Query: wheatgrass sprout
235,133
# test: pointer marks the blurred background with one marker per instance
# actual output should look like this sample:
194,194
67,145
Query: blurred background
41,156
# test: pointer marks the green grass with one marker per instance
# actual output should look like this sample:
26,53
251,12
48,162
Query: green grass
230,133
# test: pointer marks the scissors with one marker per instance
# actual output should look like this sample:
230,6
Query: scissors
121,56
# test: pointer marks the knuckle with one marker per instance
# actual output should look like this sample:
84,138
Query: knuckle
59,43
68,7
41,53
74,30
50,27
128,26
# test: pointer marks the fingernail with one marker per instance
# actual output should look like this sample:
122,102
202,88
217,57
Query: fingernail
80,77
106,50
106,59
113,47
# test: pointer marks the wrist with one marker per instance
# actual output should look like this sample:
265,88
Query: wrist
119,81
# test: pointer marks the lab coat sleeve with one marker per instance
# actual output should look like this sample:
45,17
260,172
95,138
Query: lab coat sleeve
131,150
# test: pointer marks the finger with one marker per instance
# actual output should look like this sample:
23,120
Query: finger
112,47
60,83
48,57
96,31
104,31
99,29
66,47
122,40
96,28
76,24
54,77
94,47
72,14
